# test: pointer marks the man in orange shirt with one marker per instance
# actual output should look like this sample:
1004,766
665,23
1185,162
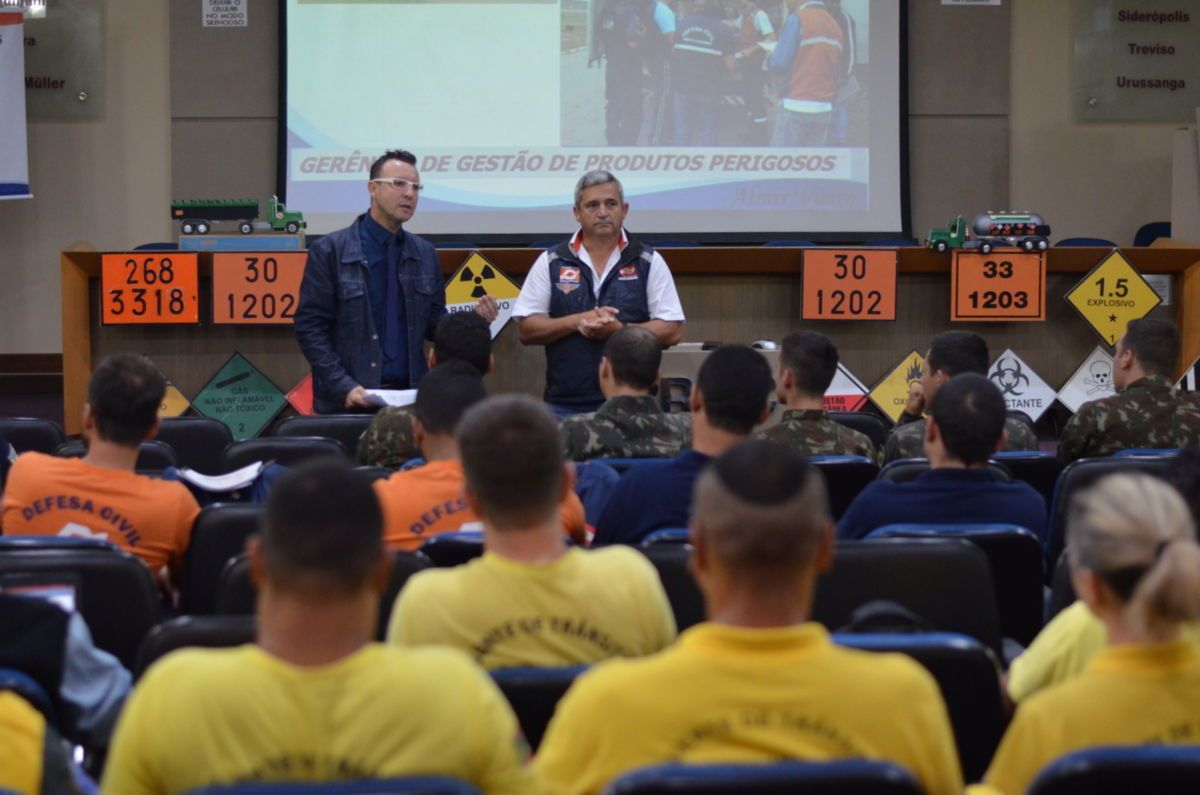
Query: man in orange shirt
100,495
428,500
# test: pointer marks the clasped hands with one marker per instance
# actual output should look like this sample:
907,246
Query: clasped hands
600,323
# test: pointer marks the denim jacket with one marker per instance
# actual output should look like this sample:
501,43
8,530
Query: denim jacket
334,325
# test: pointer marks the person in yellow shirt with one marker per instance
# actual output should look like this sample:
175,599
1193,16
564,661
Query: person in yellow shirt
315,700
33,758
1136,566
758,682
530,600
100,495
427,500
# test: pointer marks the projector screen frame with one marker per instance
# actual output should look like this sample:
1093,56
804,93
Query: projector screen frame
523,239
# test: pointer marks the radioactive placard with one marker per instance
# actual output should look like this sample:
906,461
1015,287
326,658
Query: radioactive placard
1023,389
240,396
1112,294
1092,381
479,277
846,393
1190,382
891,393
301,396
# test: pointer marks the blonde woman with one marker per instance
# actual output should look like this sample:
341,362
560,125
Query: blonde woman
1136,565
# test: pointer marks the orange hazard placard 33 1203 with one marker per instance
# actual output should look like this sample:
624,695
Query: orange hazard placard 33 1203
1000,286
854,284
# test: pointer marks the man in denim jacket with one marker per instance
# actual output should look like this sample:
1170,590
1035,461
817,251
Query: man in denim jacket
371,293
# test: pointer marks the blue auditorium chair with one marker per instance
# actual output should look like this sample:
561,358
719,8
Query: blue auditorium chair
845,477
284,450
1157,769
453,549
849,777
1085,242
345,428
533,694
22,684
198,442
27,434
1035,467
871,425
667,535
1148,233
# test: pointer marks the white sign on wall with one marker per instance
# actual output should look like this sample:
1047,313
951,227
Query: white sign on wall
1092,381
225,13
1023,389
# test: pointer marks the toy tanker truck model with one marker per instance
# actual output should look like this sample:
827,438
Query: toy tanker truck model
990,230
195,216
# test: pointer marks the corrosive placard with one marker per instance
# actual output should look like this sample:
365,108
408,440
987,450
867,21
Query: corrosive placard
479,277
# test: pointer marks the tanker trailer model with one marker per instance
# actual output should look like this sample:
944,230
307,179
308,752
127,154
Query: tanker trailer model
989,230
195,216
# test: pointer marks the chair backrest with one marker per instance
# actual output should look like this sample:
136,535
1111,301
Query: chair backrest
1040,470
533,693
1062,590
374,473
671,562
286,450
1148,233
845,477
904,470
210,632
1015,557
198,441
1146,451
622,465
22,684
236,593
417,785
946,581
218,535
864,422
1078,242
346,428
667,535
114,591
1079,475
453,549
849,777
1158,769
153,455
32,434
968,677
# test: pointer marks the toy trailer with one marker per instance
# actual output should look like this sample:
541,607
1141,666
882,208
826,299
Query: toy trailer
1024,230
195,216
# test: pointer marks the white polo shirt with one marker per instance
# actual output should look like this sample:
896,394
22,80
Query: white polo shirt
661,297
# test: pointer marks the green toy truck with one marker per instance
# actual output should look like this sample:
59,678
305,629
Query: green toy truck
195,216
1024,230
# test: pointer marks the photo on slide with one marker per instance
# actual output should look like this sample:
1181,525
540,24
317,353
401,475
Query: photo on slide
716,73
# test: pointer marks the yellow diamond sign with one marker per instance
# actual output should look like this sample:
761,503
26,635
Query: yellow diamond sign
479,277
891,394
1112,294
174,404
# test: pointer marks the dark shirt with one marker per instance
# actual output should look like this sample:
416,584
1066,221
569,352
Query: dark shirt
375,241
945,496
701,44
649,497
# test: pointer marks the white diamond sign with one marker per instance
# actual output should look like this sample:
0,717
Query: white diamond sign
1092,381
1190,382
1023,389
846,393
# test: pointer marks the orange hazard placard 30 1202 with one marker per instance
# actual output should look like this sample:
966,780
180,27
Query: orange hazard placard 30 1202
854,284
1000,286
257,289
140,288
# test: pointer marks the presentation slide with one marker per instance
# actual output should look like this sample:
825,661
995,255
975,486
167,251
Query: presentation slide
720,117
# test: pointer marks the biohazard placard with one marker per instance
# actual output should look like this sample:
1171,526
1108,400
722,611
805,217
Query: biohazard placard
1023,389
479,277
1112,294
846,393
1092,381
891,393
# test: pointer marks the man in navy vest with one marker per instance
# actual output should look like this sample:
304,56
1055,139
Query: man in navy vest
371,294
580,293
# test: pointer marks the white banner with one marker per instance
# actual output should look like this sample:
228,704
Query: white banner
14,154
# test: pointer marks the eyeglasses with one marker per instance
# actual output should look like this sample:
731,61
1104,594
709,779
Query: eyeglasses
400,184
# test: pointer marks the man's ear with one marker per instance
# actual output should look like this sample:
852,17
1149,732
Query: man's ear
419,433
568,480
1002,442
605,368
787,379
383,570
150,434
696,400
472,500
491,365
258,568
431,359
933,433
1091,590
825,546
89,417
698,563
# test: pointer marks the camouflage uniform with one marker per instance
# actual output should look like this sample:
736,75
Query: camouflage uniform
626,427
388,442
1147,413
908,440
812,432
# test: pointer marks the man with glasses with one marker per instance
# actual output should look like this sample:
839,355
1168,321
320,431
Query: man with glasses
371,293
580,293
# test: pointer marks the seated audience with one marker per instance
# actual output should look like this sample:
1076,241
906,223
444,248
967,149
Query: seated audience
758,682
1146,411
34,760
965,426
950,353
460,336
100,495
808,362
1065,646
315,699
428,500
630,423
530,600
728,400
86,685
1136,565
